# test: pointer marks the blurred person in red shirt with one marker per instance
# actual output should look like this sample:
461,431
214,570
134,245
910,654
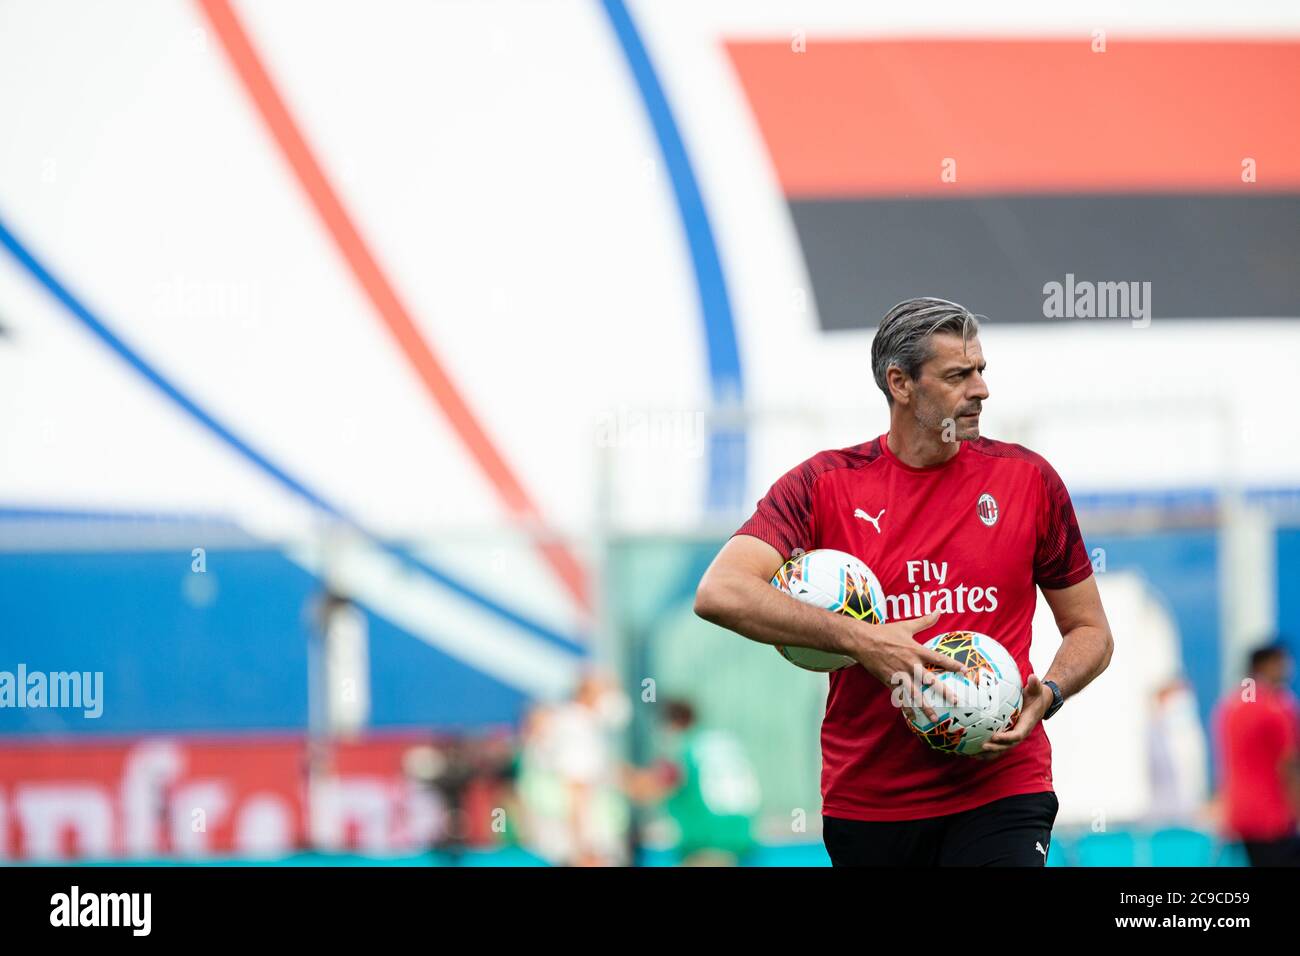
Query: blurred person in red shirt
1257,731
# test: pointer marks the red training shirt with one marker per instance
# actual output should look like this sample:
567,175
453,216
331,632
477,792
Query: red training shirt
970,538
1255,736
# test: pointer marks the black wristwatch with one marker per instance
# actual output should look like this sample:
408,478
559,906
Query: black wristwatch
1058,698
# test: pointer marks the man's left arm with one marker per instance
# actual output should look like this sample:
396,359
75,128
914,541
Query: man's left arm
1085,651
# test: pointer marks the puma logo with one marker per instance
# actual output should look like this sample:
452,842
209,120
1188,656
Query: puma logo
1041,849
859,513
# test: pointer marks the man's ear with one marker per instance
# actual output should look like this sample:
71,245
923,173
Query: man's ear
900,386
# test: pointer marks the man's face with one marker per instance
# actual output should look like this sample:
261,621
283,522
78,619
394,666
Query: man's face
949,392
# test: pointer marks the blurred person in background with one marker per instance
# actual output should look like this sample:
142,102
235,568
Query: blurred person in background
466,781
707,786
1176,756
576,813
541,806
1257,733
445,772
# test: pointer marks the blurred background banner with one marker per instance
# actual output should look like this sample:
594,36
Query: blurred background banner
379,379
1054,160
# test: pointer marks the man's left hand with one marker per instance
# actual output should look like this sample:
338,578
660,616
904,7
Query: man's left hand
1036,699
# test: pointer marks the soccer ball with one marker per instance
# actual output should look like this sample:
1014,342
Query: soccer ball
988,689
835,581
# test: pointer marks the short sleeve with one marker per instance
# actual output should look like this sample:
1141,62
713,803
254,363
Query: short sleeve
1060,558
784,516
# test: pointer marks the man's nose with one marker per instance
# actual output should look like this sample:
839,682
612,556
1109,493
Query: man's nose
979,388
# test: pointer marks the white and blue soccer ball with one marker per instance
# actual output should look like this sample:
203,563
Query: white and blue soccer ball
988,690
836,581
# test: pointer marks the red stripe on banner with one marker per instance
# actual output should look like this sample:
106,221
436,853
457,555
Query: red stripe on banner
879,118
257,83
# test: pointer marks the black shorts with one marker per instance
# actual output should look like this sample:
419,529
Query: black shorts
1284,851
1013,831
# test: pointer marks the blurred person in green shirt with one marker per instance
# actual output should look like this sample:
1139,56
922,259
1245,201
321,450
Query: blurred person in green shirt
707,786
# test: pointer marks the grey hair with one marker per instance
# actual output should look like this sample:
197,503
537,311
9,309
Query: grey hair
903,338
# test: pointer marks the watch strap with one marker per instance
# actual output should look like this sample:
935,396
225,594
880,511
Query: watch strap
1057,701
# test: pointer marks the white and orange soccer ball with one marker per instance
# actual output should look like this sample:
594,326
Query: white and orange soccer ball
988,691
838,582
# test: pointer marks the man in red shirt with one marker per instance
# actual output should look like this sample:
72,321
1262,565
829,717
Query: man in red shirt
959,530
1256,729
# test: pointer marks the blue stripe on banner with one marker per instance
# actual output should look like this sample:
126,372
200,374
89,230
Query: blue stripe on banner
727,444
101,331
1277,498
89,516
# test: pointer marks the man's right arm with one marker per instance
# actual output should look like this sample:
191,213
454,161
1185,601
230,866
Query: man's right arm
736,593
1288,764
1290,771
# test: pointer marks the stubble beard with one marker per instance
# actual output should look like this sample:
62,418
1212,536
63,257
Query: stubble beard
946,426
